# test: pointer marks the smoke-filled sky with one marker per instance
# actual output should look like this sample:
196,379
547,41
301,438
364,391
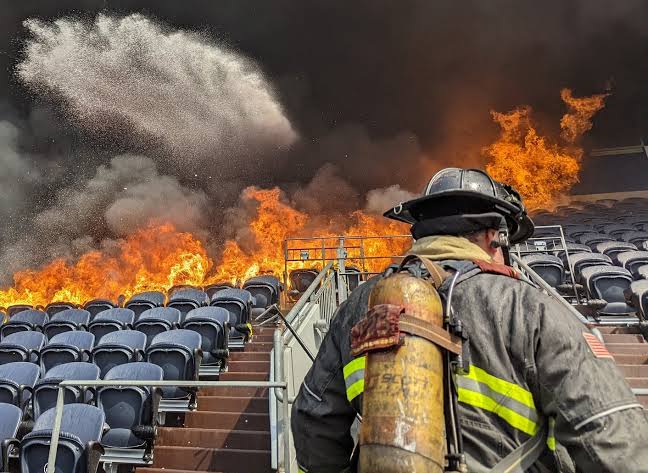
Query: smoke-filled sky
161,109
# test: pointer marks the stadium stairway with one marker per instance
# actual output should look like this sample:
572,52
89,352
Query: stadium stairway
630,350
230,430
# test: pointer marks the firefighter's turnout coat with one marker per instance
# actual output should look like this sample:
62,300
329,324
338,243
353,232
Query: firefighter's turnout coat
532,364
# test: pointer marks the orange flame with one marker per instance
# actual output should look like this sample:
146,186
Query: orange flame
541,170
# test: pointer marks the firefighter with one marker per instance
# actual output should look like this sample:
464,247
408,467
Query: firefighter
531,361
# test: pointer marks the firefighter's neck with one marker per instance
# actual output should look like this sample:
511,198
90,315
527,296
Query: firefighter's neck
485,241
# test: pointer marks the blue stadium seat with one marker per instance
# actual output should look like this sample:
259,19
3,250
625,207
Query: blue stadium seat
238,303
264,289
609,284
66,347
157,320
118,348
10,418
111,320
548,267
46,389
17,380
145,300
66,321
212,323
632,261
581,261
613,248
25,320
573,249
22,346
14,309
217,287
79,449
56,307
96,306
187,299
179,355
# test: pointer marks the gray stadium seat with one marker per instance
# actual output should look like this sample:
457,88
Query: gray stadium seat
609,283
635,237
617,229
300,280
592,239
179,355
573,249
16,382
46,390
188,299
574,231
264,289
145,300
66,321
212,323
238,303
219,286
632,261
79,449
10,418
613,248
22,346
66,347
549,267
56,307
157,320
638,296
111,320
118,348
96,306
25,320
14,309
581,261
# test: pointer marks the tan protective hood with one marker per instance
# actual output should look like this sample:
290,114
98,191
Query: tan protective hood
446,247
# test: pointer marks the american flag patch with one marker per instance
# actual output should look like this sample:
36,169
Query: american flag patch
596,346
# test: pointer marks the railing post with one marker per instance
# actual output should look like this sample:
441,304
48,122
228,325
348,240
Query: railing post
56,431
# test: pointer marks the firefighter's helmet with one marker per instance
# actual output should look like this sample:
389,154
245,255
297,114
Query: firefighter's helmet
467,194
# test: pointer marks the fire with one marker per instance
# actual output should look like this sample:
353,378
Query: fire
540,169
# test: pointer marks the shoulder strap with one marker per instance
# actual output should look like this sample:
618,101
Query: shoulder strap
524,456
437,273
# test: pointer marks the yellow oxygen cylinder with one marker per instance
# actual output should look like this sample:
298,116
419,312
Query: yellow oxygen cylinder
403,428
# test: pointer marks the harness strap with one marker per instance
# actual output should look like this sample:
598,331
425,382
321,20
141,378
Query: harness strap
430,332
525,455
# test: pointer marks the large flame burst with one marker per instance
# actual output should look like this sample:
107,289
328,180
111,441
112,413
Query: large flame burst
540,169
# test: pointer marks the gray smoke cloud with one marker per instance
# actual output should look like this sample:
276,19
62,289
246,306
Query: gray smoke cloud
203,103
380,200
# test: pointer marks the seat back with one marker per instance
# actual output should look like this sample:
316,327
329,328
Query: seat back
210,323
118,348
56,307
23,321
96,306
14,378
548,267
81,424
21,346
632,261
607,282
584,260
212,289
67,347
14,309
67,320
154,321
111,320
264,289
10,417
174,351
301,279
144,301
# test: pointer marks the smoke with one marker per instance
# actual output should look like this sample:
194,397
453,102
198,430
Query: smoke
203,103
380,200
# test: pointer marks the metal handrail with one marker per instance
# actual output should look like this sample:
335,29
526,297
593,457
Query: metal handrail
305,298
56,430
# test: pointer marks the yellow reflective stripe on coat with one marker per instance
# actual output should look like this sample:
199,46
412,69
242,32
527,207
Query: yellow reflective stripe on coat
354,377
507,400
551,439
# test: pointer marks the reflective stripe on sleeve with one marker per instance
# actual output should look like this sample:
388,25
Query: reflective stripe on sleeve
551,440
354,377
507,400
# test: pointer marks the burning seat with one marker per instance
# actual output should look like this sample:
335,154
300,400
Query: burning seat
131,412
581,261
179,355
613,248
632,261
265,290
46,390
118,348
79,447
24,321
187,299
238,302
66,321
17,380
66,347
549,267
212,323
608,283
111,320
22,346
300,280
154,321
96,306
10,418
219,286
145,300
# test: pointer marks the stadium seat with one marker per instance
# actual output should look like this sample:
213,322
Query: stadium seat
632,261
238,303
581,261
118,348
617,229
111,320
79,449
573,249
301,279
574,231
25,320
592,239
636,238
145,300
14,309
212,323
10,418
56,307
613,248
549,267
157,320
131,412
67,347
353,277
66,321
609,283
179,355
219,286
46,390
638,296
188,299
17,380
22,346
96,306
265,290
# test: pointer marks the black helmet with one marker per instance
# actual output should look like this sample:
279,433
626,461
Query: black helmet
454,192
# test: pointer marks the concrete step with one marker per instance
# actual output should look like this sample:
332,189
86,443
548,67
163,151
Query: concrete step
214,438
637,382
211,459
263,337
265,347
622,338
234,392
227,420
249,366
628,348
631,359
243,376
248,356
258,405
634,371
608,329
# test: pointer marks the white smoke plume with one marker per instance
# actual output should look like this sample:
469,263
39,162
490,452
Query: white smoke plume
380,200
205,104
